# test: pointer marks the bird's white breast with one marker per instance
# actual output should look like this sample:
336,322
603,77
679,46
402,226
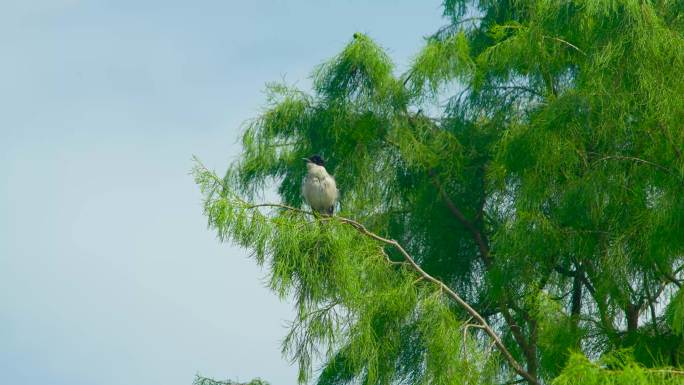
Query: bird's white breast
319,188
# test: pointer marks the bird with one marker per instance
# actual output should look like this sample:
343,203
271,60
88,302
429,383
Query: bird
318,187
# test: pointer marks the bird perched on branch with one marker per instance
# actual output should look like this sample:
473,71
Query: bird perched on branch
319,188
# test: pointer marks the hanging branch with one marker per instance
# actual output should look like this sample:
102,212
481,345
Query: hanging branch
424,275
219,183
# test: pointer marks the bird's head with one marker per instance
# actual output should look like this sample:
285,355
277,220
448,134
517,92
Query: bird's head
315,159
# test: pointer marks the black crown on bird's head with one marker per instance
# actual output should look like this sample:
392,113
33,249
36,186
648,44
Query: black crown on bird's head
315,159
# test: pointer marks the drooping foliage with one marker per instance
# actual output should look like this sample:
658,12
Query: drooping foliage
530,159
199,380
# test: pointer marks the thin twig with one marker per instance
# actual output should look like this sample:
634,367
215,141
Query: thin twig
516,87
669,277
387,258
565,42
465,335
621,157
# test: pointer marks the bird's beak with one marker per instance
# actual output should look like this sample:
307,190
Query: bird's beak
306,159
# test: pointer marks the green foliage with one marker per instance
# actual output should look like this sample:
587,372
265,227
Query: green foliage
199,380
346,294
441,61
360,74
675,313
546,191
558,336
618,368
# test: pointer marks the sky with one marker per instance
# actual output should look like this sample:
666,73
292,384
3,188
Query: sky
108,274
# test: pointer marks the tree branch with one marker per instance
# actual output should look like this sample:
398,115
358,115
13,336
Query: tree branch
477,235
423,274
482,244
668,276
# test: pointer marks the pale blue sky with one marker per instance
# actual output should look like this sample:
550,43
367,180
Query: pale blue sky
108,274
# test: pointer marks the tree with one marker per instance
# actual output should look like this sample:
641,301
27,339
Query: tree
516,198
